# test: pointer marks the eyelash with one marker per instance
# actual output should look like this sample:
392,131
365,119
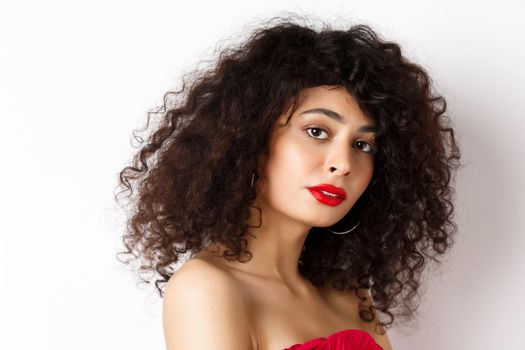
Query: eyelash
373,148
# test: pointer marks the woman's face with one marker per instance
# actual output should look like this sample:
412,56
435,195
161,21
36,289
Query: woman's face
328,140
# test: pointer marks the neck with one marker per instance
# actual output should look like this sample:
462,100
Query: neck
275,246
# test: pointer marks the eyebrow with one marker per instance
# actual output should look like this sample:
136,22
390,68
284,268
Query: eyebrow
337,117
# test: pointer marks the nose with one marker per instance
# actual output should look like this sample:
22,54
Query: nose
340,170
340,164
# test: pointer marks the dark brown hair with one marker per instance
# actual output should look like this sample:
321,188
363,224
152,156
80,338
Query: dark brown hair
189,184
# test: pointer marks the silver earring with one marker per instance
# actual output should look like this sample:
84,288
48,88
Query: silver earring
344,232
253,179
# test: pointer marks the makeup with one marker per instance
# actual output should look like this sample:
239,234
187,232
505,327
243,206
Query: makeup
328,194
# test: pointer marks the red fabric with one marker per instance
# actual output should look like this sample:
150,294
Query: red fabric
348,339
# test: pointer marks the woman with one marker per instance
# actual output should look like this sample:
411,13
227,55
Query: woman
303,183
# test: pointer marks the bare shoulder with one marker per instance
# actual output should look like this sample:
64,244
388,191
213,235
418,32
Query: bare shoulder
350,301
204,308
374,328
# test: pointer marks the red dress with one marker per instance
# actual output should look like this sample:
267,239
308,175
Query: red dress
348,339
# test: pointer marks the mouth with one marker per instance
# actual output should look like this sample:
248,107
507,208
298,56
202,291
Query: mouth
328,194
330,191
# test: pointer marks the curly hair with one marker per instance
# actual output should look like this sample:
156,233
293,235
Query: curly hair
192,176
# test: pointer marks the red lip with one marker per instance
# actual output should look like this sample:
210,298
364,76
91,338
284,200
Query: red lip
325,199
339,192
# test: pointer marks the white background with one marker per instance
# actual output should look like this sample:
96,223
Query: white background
77,77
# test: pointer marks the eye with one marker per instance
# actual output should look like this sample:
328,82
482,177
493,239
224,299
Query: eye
317,130
368,147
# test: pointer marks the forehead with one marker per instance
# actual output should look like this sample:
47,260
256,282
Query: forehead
332,101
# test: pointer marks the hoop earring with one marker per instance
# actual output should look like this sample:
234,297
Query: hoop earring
344,232
253,179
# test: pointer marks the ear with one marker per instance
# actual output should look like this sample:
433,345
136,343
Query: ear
261,165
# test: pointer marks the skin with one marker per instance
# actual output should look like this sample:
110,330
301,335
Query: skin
280,307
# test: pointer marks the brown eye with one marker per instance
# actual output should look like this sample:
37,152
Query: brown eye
316,132
366,147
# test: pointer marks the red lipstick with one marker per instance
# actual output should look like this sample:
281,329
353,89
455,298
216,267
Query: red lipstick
328,194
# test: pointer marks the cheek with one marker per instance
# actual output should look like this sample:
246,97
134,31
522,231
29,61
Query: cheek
366,176
289,165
